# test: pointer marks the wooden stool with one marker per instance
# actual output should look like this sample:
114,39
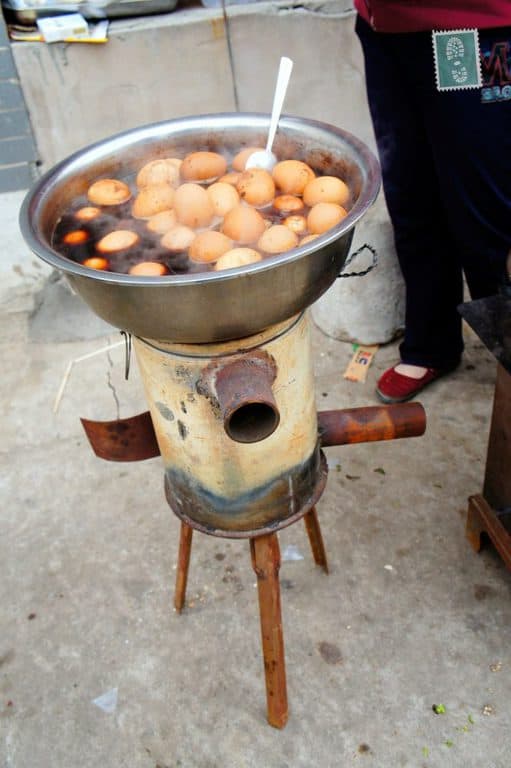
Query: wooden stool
490,513
265,554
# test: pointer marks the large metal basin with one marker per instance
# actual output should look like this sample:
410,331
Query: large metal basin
210,306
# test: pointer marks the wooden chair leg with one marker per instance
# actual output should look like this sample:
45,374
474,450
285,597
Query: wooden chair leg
185,547
475,526
316,539
265,553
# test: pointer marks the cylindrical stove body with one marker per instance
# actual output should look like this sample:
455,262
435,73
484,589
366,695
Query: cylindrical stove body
237,427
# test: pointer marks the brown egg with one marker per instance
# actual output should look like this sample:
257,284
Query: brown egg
308,239
151,200
256,187
87,214
224,197
108,192
148,269
323,216
230,178
292,176
118,240
277,239
243,224
209,246
239,161
326,189
288,203
77,237
164,171
96,262
161,222
178,239
193,206
237,257
297,224
202,166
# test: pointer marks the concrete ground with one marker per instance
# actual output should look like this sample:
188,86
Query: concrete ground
97,670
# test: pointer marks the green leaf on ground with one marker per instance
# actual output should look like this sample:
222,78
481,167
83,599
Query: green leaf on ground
439,709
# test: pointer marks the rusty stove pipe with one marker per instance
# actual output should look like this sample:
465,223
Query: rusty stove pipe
242,390
371,423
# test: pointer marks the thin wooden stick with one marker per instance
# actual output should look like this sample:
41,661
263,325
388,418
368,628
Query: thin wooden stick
70,365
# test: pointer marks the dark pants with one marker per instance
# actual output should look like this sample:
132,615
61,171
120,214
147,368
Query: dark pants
446,167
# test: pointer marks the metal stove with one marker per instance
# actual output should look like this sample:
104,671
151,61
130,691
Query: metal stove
226,361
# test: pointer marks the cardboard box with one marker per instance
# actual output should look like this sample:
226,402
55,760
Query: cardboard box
58,28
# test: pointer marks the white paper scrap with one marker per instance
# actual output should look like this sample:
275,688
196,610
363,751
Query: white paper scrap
107,701
291,552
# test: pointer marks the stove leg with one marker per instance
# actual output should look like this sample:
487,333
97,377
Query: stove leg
185,548
316,539
265,553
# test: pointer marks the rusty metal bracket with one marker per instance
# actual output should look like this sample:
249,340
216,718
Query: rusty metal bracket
131,439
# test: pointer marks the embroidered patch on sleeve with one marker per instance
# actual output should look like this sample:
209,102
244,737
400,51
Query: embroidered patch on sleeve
457,61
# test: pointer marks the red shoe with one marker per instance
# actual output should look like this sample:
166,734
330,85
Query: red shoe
393,387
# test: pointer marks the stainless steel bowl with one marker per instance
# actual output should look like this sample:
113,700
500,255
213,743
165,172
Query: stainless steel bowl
209,306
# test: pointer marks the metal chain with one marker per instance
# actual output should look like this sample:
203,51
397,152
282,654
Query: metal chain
353,255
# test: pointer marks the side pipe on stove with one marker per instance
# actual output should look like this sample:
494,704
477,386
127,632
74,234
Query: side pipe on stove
243,391
371,423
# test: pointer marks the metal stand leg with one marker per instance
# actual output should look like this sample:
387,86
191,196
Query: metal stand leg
266,563
316,539
185,547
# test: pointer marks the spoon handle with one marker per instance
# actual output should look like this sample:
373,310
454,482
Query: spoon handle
286,65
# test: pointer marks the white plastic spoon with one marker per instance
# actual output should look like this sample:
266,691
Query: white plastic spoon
265,158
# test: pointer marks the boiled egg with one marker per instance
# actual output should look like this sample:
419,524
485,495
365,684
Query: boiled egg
193,206
178,238
326,189
277,239
237,257
118,240
153,199
108,192
96,262
323,216
203,166
243,224
209,246
292,176
163,171
256,187
161,222
223,196
148,269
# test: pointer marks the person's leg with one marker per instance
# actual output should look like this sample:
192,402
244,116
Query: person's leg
397,75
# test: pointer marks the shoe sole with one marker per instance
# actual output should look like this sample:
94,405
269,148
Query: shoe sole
394,400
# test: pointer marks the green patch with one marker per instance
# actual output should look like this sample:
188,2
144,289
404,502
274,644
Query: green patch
380,471
439,709
456,55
